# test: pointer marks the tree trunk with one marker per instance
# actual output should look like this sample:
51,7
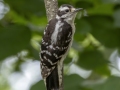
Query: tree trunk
51,8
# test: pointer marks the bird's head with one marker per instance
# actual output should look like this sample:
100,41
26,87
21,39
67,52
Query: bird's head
67,12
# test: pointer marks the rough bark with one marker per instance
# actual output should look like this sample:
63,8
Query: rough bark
51,10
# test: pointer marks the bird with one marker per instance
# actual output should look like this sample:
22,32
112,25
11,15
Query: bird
55,44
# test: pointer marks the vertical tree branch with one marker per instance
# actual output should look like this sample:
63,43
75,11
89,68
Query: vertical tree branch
51,10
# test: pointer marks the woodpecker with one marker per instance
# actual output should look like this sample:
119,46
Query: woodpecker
56,42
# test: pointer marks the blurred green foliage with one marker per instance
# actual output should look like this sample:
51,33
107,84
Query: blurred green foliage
97,36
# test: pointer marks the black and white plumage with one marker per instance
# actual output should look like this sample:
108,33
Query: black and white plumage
56,41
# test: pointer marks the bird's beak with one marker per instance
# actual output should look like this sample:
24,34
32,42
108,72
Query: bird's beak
78,9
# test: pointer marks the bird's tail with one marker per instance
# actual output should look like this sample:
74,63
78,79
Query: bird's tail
52,81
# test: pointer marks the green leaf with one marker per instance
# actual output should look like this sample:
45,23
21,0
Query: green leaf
104,31
82,28
101,9
84,88
112,83
27,7
117,18
13,39
104,70
91,59
68,85
33,53
111,1
67,60
84,4
38,86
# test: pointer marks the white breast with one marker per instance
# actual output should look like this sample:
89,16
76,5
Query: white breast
55,33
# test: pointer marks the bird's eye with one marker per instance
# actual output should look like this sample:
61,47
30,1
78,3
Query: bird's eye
67,10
